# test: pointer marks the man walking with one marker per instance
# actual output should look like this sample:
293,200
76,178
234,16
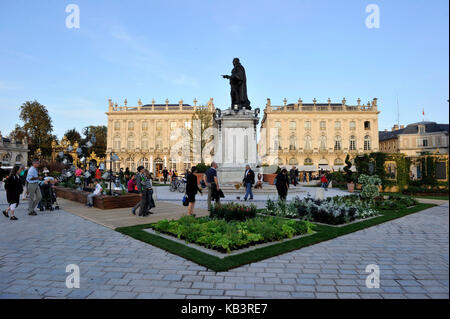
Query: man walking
249,180
212,183
292,176
33,187
141,189
165,174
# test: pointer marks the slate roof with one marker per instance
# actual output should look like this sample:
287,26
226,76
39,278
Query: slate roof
430,127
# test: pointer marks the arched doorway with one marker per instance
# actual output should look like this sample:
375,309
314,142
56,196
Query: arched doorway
159,163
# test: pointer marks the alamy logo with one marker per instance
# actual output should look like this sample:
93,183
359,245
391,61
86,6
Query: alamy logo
373,19
73,280
373,279
73,19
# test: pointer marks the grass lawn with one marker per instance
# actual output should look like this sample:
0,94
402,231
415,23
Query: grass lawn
445,197
433,197
323,233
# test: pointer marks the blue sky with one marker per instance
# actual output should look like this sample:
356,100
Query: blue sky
178,50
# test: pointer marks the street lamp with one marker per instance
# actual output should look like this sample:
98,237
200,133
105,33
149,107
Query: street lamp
113,158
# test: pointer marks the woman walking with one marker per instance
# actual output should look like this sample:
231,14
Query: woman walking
282,184
13,187
192,189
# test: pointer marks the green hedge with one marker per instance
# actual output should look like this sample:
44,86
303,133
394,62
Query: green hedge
232,211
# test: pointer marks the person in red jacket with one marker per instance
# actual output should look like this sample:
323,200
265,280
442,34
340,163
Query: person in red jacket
98,174
324,181
132,184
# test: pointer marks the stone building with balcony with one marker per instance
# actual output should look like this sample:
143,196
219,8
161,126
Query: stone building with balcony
152,135
317,136
13,152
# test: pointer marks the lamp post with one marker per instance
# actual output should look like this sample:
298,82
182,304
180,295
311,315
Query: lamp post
110,173
112,158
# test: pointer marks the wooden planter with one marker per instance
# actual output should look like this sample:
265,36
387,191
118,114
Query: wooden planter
269,178
102,202
199,177
391,189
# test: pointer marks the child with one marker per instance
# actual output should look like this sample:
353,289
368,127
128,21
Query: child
97,191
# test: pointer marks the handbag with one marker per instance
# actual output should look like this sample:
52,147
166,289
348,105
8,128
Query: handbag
185,200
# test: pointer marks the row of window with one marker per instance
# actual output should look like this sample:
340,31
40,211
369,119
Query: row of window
6,158
323,143
157,164
323,125
144,125
307,162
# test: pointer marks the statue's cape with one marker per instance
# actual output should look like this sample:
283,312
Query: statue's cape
239,79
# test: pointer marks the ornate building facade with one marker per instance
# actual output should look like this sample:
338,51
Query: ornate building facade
13,152
152,135
317,136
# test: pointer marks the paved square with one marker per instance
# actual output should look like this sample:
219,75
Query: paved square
412,253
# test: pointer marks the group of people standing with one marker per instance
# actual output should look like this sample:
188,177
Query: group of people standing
166,174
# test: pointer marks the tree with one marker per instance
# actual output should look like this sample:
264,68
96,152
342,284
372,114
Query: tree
347,169
202,120
38,126
73,136
19,133
100,132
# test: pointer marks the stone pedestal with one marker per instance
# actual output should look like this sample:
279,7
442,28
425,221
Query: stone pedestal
235,144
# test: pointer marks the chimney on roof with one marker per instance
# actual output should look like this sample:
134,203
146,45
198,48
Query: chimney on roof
395,127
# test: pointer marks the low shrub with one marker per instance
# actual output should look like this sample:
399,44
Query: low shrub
369,186
411,190
232,211
202,168
395,202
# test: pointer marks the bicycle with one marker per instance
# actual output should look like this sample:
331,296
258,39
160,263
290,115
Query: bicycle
179,185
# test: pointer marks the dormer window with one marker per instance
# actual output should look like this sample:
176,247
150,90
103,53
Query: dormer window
421,129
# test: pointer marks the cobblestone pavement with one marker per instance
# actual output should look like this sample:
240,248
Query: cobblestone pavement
412,253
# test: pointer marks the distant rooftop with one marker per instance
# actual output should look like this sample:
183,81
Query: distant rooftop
430,127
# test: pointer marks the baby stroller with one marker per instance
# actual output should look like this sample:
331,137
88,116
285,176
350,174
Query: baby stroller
48,201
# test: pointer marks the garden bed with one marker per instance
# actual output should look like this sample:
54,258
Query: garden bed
101,202
321,233
224,237
339,210
217,253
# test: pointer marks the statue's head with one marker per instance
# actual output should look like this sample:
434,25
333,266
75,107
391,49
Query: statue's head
236,61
